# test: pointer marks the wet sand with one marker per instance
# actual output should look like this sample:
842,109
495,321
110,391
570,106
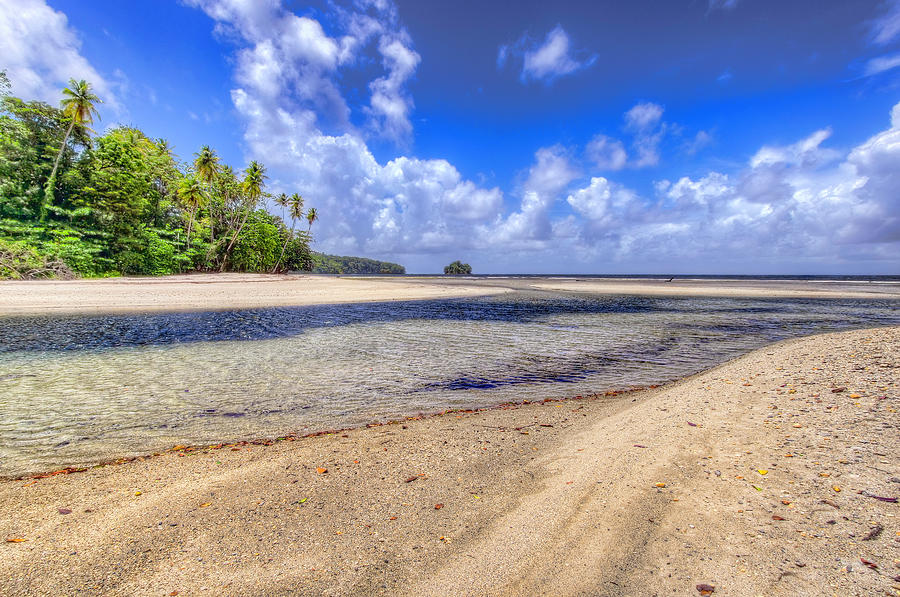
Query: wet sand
771,474
206,292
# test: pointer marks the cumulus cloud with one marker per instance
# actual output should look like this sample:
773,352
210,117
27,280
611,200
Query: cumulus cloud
41,52
530,226
547,60
286,72
801,202
644,121
606,153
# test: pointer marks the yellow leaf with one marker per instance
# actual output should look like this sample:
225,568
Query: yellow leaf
16,540
137,493
205,505
762,471
836,488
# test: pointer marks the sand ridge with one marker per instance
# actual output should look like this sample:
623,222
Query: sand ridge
761,476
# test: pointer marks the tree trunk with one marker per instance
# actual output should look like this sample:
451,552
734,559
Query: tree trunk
274,269
233,239
51,182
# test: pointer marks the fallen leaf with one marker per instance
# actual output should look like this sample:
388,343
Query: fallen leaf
871,565
16,540
756,488
786,502
660,485
797,425
411,479
776,517
438,506
706,589
173,593
836,488
837,390
138,492
392,518
205,504
762,471
65,511
321,470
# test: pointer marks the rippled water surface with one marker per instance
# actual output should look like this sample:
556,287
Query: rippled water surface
77,390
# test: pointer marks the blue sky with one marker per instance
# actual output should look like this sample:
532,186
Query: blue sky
695,136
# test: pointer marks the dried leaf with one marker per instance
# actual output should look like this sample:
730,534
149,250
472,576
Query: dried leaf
321,470
776,517
411,479
64,511
16,540
660,485
762,471
438,506
204,505
871,565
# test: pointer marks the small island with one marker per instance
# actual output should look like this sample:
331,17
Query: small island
458,268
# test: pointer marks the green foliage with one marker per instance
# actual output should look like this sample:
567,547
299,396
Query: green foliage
458,267
334,264
120,202
259,244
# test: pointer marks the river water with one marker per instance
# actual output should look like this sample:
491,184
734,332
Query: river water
77,390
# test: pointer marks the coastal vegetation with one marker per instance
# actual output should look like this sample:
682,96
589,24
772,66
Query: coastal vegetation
335,264
458,267
77,203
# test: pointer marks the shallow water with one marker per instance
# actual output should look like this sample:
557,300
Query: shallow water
77,390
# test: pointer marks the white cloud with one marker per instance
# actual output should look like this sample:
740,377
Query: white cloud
881,64
644,121
798,203
390,104
606,153
887,28
41,52
549,60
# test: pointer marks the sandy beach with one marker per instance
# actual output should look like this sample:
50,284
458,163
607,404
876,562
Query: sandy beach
773,474
200,292
214,292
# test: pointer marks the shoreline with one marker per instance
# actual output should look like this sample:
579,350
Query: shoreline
217,292
755,476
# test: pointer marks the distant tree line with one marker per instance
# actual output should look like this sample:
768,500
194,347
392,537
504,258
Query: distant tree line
334,264
76,203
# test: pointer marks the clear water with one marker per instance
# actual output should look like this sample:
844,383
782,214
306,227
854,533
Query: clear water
78,390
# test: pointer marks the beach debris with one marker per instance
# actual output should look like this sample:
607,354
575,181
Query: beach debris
321,470
880,498
756,488
705,589
691,424
873,534
639,446
138,492
830,503
660,485
786,502
174,593
836,488
871,565
205,504
762,471
776,517
837,390
16,539
438,506
64,511
411,479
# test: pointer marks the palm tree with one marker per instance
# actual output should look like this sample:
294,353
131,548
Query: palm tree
296,203
206,163
252,187
192,196
78,107
311,216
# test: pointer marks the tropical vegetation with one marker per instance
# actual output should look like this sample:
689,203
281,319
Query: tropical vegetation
75,202
458,267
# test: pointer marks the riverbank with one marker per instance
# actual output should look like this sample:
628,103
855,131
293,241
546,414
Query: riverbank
762,476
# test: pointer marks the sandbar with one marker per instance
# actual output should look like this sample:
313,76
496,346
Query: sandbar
207,292
776,473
